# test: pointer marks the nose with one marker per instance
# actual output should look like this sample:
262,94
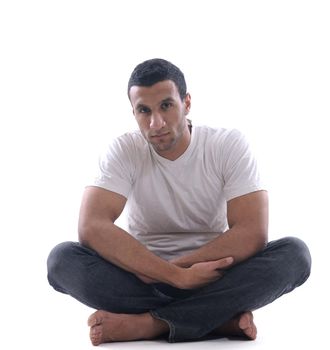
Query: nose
156,121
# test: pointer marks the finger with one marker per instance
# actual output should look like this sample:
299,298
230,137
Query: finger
222,263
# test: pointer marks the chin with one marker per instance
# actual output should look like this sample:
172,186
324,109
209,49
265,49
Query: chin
163,147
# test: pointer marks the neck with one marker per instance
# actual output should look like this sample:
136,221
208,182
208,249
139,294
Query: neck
181,147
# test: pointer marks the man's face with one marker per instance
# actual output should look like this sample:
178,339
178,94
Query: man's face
161,116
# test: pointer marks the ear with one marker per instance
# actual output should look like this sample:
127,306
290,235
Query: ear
187,102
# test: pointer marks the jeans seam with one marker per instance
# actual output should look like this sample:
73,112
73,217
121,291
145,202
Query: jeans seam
158,293
170,324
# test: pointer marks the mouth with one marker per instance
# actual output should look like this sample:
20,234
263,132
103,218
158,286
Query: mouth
158,136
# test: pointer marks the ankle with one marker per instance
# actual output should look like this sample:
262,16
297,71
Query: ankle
154,327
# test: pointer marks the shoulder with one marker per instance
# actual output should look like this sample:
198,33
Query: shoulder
124,151
129,139
127,144
223,147
218,137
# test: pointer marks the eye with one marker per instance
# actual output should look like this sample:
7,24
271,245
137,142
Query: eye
143,110
166,105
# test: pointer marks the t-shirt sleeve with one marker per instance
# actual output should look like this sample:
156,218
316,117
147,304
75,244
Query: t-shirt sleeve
239,167
116,170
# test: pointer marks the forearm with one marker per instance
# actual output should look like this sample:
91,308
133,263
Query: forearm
237,242
99,211
119,247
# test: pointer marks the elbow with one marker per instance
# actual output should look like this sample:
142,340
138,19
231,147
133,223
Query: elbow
85,235
256,240
262,240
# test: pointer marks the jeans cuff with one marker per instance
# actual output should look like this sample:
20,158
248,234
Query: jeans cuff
170,325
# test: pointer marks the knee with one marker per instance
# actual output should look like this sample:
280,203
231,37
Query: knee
298,256
58,258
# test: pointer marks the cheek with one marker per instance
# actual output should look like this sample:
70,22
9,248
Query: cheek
143,124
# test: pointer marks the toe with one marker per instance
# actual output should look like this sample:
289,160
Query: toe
249,332
96,335
247,325
94,319
246,320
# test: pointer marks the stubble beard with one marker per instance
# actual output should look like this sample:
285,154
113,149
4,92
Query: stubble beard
167,146
164,146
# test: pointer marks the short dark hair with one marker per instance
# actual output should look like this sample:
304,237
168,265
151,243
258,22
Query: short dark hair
155,70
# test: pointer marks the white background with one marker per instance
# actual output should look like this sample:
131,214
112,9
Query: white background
259,66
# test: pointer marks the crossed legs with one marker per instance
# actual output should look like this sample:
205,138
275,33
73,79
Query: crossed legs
128,309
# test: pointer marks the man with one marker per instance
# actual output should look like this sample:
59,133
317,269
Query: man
195,260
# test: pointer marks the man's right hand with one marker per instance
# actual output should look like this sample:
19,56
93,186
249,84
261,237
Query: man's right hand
203,273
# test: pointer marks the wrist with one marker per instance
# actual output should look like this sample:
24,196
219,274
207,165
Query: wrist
176,277
181,263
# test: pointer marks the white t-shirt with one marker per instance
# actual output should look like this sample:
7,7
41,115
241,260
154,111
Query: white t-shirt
177,206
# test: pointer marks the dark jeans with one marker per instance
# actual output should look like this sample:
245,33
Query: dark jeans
191,314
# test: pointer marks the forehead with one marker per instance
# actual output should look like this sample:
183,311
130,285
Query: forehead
148,95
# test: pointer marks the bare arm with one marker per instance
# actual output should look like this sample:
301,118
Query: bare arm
99,210
248,232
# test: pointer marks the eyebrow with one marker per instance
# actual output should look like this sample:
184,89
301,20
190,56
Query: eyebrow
167,99
141,105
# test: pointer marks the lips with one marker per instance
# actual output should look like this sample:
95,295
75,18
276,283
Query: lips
159,135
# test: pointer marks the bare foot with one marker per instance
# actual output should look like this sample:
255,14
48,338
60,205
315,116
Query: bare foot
110,327
242,326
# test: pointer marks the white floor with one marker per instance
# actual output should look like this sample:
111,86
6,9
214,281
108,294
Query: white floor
51,320
280,326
